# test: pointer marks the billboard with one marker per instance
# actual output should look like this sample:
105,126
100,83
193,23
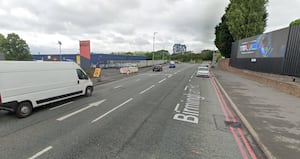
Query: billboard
266,45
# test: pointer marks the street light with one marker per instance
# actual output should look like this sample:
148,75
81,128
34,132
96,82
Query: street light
153,47
59,43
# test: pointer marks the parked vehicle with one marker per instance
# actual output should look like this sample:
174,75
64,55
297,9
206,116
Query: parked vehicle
202,72
25,85
157,68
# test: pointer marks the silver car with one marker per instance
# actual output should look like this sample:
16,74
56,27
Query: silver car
202,72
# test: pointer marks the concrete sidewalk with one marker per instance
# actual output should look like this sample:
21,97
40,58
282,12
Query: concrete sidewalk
274,115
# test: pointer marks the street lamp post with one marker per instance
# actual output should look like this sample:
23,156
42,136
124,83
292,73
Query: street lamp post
59,43
153,47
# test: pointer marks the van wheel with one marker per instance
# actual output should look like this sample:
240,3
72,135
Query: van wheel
88,91
24,109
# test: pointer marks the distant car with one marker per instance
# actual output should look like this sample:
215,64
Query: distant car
172,65
204,65
202,72
157,68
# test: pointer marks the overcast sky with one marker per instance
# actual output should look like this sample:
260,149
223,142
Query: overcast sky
124,25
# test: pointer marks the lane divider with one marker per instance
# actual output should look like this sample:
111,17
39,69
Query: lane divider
117,107
176,109
142,92
41,152
162,80
118,87
81,110
60,106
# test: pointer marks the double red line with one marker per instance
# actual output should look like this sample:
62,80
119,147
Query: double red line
230,117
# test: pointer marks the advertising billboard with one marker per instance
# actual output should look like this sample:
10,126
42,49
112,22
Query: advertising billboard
266,45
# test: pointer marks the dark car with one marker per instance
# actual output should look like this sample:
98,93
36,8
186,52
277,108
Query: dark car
172,65
157,68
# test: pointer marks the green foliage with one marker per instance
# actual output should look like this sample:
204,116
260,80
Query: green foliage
189,56
223,39
14,48
295,22
246,18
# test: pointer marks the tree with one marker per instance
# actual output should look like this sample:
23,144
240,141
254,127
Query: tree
223,39
15,48
246,18
295,22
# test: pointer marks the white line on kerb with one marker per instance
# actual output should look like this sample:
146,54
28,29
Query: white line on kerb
81,110
117,107
186,87
162,80
117,86
177,107
60,106
41,152
142,92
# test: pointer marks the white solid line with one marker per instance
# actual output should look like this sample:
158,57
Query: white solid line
137,80
41,152
177,107
186,87
162,80
60,106
81,110
142,92
117,86
117,107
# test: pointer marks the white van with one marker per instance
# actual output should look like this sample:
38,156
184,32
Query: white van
25,85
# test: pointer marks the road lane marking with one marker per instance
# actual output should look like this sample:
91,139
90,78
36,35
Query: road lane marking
81,110
137,80
177,108
142,92
170,76
186,87
189,80
162,80
41,152
117,107
192,76
118,87
60,106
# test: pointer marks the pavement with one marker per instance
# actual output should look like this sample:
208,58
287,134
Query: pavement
271,114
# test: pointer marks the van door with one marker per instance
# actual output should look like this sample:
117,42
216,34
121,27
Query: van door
83,80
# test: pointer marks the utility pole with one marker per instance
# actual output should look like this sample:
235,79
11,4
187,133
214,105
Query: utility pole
59,43
153,47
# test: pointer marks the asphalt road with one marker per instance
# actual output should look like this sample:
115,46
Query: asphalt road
169,115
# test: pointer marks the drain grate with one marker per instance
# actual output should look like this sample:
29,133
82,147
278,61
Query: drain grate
233,124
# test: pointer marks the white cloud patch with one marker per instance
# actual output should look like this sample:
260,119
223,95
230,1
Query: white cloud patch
114,25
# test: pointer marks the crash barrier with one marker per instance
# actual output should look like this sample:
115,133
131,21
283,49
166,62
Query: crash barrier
129,70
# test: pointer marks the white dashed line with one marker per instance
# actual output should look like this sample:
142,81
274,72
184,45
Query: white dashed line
162,80
81,110
142,92
177,107
41,152
117,107
118,87
186,87
60,106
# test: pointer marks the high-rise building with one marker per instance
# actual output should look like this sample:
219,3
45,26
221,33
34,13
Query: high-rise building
179,48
